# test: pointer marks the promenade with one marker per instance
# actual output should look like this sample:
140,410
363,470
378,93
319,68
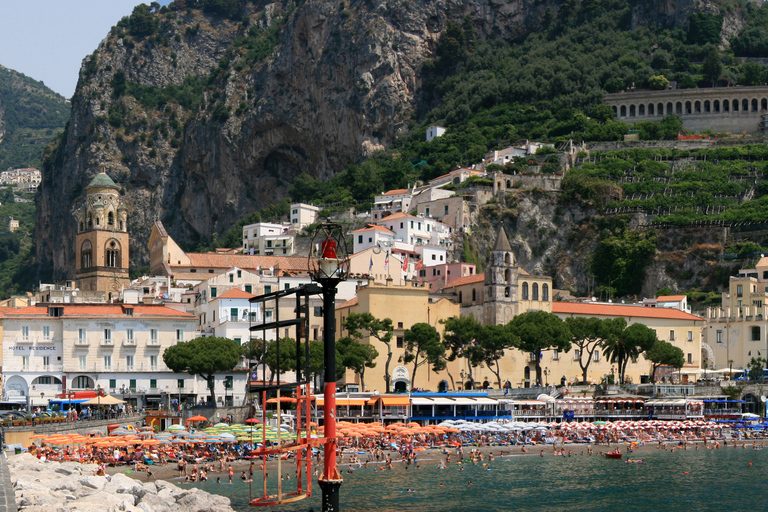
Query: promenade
7,496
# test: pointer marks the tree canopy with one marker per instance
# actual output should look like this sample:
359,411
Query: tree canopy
203,357
359,325
423,346
629,343
461,337
495,339
663,353
357,356
537,331
587,334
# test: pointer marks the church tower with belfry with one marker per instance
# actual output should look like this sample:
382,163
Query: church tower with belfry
102,239
501,275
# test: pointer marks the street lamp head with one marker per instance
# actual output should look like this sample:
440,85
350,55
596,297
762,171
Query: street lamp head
328,258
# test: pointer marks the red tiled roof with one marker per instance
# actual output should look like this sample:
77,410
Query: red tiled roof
397,215
101,310
245,261
670,298
235,293
581,308
351,302
373,227
395,192
475,278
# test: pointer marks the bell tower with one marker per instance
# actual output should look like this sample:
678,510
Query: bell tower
501,298
102,239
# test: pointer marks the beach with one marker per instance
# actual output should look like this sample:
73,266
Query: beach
435,457
666,479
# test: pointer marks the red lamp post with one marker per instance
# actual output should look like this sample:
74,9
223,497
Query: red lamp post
329,265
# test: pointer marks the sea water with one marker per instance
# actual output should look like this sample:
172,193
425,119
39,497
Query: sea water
700,480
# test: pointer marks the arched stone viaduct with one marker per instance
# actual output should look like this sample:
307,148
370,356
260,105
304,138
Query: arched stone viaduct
721,109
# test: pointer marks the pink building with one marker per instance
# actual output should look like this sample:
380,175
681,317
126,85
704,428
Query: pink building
436,277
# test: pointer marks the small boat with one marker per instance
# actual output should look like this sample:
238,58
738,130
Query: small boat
613,455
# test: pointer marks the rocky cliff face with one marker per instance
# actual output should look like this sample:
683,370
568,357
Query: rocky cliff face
203,119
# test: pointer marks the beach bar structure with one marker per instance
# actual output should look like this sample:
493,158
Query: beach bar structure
437,407
723,408
526,410
390,408
675,408
429,408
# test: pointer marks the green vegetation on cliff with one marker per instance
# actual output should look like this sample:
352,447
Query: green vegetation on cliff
30,113
17,249
728,184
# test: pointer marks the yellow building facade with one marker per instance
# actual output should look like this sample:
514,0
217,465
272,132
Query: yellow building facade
405,305
737,331
495,298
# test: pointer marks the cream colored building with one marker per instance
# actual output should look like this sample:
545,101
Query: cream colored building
166,258
506,290
405,305
738,330
679,328
52,348
370,265
302,215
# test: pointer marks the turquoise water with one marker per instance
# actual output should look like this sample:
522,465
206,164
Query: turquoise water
700,480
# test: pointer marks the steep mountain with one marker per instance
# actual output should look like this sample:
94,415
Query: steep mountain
207,110
30,113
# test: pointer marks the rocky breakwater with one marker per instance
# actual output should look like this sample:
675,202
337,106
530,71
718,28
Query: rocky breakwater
61,487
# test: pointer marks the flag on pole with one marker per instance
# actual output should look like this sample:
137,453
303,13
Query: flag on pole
370,266
386,262
405,264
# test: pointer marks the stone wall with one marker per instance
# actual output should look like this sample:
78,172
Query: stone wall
721,109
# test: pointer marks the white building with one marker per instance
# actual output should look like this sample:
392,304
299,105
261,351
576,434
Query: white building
392,201
508,154
434,131
372,235
57,348
27,179
431,255
303,215
268,239
223,304
418,230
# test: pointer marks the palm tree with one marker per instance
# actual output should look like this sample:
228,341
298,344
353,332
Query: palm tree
623,344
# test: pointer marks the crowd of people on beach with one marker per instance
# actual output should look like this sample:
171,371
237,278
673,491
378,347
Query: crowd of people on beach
200,462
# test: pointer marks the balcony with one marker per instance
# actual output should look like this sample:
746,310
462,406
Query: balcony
81,342
24,339
129,342
153,343
107,342
45,339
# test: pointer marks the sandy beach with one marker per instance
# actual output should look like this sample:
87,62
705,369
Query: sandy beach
437,456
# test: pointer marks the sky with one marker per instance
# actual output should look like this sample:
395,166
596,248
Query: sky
48,39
